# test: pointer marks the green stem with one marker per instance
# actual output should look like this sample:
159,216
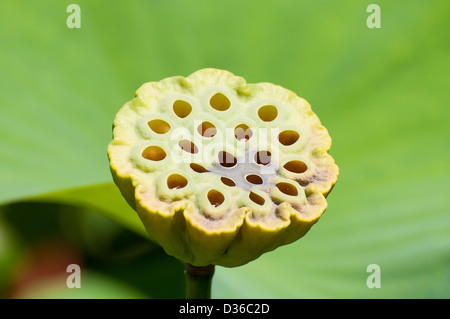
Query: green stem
198,281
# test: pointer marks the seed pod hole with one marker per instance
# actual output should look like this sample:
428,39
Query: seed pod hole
254,179
188,146
182,108
207,129
268,113
219,102
262,157
176,181
154,153
228,181
198,168
256,198
226,159
215,198
287,188
288,137
159,126
295,166
242,132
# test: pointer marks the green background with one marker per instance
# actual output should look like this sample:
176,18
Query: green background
382,93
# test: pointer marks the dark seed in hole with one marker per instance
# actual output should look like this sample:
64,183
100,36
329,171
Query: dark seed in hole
242,132
176,181
159,126
207,129
254,179
295,166
182,108
228,181
288,137
226,159
268,113
287,189
198,168
154,153
215,197
220,102
262,157
188,146
256,198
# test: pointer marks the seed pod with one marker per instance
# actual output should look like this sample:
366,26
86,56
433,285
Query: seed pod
218,170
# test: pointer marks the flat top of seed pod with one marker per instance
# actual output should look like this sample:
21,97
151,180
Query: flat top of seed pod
223,152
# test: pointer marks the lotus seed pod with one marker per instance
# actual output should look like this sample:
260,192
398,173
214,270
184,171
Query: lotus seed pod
218,170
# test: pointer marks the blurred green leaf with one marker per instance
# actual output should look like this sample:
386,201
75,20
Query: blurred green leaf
49,236
10,250
104,198
382,93
93,286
